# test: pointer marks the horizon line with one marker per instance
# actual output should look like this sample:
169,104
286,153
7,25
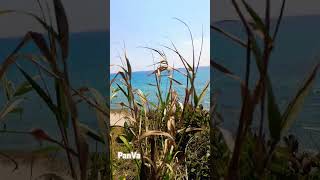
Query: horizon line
203,66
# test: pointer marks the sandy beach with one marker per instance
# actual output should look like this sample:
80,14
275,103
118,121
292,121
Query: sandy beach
117,117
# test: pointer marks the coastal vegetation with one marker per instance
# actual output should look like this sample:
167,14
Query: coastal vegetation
171,134
267,152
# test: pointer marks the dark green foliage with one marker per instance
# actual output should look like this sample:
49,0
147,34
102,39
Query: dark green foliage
197,156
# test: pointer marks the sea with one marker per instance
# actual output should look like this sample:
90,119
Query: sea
145,81
296,51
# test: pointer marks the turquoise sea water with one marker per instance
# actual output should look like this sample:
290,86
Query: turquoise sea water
142,80
296,51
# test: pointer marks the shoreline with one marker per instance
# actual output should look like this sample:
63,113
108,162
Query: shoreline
117,117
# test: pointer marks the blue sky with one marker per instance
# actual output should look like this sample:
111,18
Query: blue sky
150,23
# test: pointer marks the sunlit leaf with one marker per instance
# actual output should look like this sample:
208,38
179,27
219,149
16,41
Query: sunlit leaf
126,143
203,92
155,133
